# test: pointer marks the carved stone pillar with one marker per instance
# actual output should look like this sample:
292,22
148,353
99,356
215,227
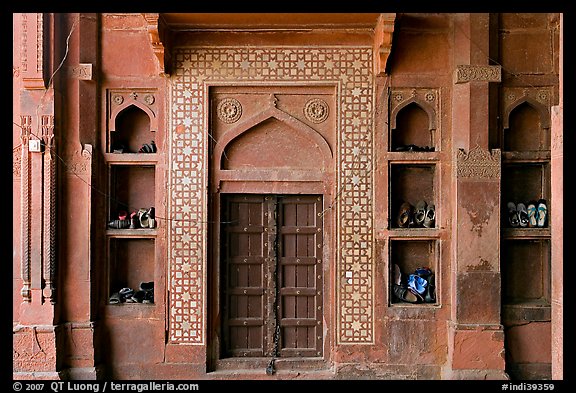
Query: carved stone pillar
475,334
476,343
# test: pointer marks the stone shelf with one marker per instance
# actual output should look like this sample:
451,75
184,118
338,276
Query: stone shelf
131,233
525,233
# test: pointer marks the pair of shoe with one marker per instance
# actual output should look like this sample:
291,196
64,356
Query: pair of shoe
413,148
418,288
148,148
423,215
532,216
127,295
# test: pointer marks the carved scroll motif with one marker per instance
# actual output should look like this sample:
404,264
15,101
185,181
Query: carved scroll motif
479,164
477,73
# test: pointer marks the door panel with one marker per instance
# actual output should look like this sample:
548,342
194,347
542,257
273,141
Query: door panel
300,275
272,256
244,251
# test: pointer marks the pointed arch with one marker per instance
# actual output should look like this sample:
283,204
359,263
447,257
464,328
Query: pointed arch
540,108
125,106
274,113
422,105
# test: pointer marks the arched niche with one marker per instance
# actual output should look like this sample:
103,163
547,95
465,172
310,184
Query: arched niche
131,128
524,126
412,122
273,140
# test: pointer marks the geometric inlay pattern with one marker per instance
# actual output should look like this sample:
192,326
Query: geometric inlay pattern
350,70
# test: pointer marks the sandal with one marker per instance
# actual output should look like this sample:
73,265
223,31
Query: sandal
401,292
143,218
420,213
119,224
404,215
532,219
522,214
542,213
126,294
115,298
148,148
430,294
512,215
430,216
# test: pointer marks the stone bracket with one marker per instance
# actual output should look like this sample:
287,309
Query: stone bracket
383,33
159,40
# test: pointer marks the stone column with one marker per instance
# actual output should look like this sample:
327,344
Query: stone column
36,334
557,230
475,334
77,80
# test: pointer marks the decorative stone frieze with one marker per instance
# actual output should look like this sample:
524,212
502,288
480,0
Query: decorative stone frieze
478,164
477,73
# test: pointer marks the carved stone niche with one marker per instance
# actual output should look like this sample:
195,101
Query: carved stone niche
414,118
132,116
526,119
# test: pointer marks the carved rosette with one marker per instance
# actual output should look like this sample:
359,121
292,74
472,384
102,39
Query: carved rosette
229,110
479,164
316,110
477,73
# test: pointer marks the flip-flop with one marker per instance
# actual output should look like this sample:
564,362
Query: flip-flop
532,215
542,213
522,215
513,215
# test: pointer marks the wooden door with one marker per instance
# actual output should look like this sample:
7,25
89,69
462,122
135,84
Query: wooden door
272,275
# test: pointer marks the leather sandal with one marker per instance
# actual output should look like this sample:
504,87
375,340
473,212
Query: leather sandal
404,215
401,292
513,215
420,213
522,215
143,218
115,298
430,217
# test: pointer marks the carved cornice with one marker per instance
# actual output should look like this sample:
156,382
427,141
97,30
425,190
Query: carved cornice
383,33
477,73
478,164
